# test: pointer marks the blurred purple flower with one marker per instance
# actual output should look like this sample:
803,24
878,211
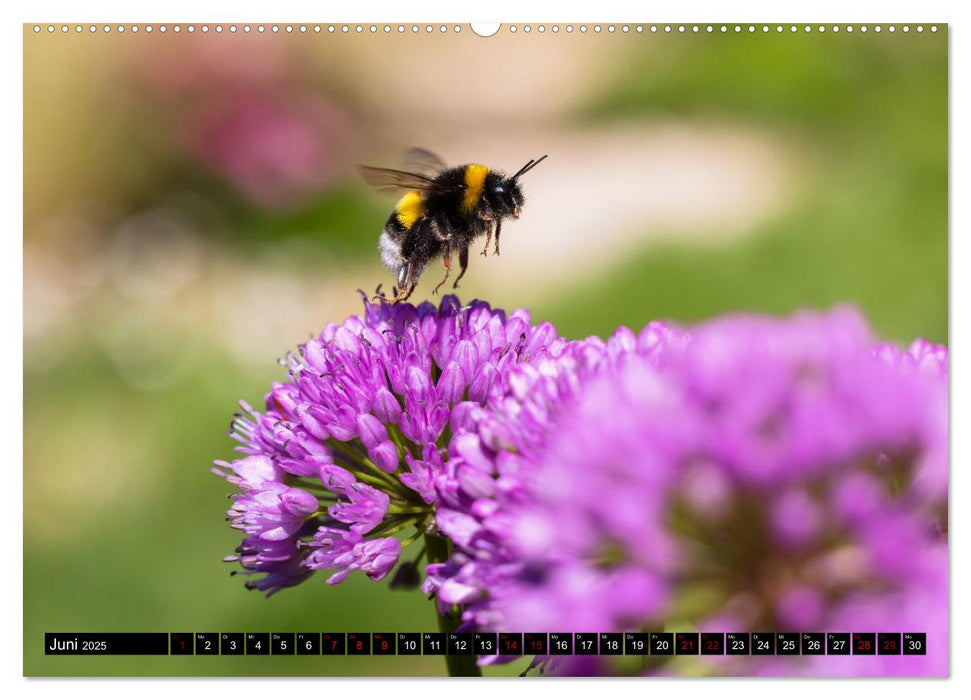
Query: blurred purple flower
351,451
492,465
787,468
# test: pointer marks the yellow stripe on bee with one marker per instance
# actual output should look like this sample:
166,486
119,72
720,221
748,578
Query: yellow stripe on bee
410,208
475,176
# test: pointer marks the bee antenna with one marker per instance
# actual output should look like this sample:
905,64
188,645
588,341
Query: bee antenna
529,166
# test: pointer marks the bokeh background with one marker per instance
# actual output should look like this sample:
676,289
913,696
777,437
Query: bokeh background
191,211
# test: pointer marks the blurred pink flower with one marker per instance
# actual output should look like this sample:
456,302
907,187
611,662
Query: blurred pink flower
275,149
249,111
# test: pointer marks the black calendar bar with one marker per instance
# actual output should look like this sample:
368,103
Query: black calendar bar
266,644
106,644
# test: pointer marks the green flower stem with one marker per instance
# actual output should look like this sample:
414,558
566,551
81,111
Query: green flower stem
406,509
437,549
357,462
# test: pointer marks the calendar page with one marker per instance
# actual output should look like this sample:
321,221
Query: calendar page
524,349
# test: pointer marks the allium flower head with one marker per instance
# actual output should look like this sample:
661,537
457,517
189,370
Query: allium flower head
748,474
351,451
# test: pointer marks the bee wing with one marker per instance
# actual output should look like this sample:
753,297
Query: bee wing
421,160
387,177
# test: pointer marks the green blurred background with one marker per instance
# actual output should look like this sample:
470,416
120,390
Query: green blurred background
192,212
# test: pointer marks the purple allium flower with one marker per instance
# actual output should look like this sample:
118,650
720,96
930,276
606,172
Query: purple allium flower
775,473
493,470
350,452
750,473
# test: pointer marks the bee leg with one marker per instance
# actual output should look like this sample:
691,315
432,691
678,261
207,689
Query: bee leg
447,260
485,251
399,295
498,229
463,264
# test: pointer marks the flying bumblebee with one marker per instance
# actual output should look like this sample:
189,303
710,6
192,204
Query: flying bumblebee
441,213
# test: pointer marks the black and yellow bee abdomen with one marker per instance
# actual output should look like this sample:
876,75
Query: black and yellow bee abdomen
409,209
407,214
407,237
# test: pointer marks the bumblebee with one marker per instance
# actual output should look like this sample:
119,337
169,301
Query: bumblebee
444,209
